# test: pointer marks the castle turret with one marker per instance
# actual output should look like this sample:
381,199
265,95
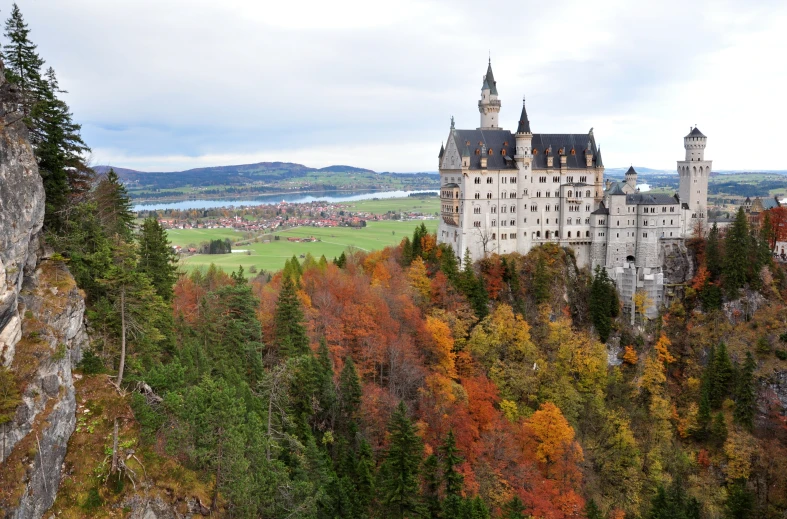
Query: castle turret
524,140
489,105
694,172
631,177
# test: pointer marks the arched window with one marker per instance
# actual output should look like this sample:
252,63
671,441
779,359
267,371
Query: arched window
489,196
477,180
535,151
494,209
489,152
569,232
587,234
502,152
477,151
570,192
587,193
538,234
477,196
546,235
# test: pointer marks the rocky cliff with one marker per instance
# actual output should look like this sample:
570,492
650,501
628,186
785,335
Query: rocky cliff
41,330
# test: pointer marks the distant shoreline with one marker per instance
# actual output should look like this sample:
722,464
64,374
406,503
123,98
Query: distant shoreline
184,198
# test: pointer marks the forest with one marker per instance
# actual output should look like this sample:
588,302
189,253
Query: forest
397,383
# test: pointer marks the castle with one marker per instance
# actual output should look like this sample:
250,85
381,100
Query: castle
505,192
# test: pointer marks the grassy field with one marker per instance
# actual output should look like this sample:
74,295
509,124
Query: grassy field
271,256
186,237
429,205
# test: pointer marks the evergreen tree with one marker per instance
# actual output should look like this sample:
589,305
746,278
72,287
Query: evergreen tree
721,376
703,415
432,488
23,64
604,303
764,249
289,328
407,252
736,254
515,509
718,430
113,207
713,258
364,479
592,511
350,393
399,471
540,282
452,478
157,260
473,287
449,265
740,502
341,261
746,394
418,235
674,503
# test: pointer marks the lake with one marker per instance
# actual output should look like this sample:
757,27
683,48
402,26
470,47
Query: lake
295,198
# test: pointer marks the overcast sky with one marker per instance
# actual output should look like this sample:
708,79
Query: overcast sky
165,85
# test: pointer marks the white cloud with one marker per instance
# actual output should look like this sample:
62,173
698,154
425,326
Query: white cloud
188,83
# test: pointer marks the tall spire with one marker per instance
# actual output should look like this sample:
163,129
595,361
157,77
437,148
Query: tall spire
524,123
442,151
489,79
599,162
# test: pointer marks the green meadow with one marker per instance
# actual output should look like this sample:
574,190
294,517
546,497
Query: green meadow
429,205
272,255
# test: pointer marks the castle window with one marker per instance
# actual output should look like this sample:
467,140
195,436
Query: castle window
617,235
570,193
502,209
533,208
535,151
512,194
584,179
513,180
569,232
587,221
476,224
477,180
477,151
556,180
587,234
502,152
494,209
663,209
489,180
587,207
538,234
477,196
573,152
542,179
489,152
524,193
525,220
587,193
644,235
513,208
548,207
546,221
570,180
494,223
513,222
568,222
538,194
476,210
503,236
489,196
549,193
494,236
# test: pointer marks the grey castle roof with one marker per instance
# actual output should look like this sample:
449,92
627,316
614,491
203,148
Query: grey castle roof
615,189
631,171
524,123
599,162
498,140
489,80
651,199
695,133
442,151
602,209
770,203
453,184
495,140
567,141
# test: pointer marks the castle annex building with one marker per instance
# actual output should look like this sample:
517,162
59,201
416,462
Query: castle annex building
504,191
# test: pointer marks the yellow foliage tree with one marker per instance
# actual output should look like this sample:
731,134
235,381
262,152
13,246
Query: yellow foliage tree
662,350
552,432
740,447
443,347
418,279
642,302
630,355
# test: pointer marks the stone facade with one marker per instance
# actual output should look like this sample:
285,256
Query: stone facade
504,191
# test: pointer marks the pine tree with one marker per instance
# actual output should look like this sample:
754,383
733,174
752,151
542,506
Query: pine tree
349,391
364,479
407,252
721,376
157,260
718,430
603,303
449,265
432,488
23,64
341,261
740,502
399,471
418,235
451,477
703,416
288,324
764,249
745,394
713,259
113,207
515,509
472,287
736,254
592,511
674,503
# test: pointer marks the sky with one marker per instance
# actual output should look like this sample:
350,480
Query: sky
167,85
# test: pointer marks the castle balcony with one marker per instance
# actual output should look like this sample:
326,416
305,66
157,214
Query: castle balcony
450,218
490,102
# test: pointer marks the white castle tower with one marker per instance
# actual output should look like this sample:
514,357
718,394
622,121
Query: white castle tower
694,172
489,105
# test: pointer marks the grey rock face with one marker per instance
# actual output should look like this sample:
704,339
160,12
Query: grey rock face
46,415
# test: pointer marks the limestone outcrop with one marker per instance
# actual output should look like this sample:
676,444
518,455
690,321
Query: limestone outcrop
41,330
